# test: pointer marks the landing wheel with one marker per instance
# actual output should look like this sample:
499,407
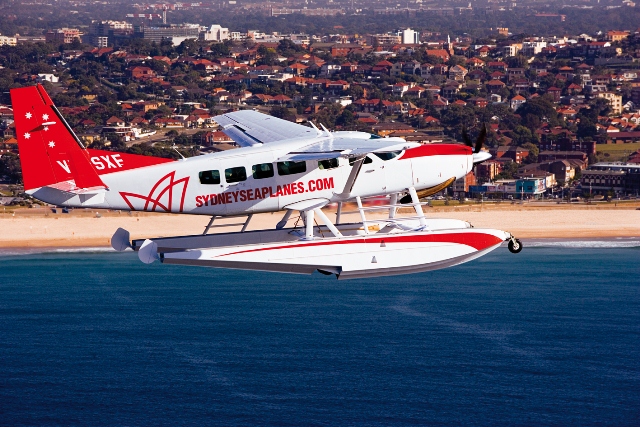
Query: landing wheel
515,246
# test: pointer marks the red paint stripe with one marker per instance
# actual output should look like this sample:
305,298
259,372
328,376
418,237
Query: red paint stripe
437,150
477,241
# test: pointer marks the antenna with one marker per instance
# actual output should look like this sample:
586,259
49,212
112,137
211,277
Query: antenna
327,131
316,128
179,153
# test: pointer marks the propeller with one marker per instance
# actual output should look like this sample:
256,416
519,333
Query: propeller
479,142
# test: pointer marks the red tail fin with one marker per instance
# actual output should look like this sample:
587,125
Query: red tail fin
50,153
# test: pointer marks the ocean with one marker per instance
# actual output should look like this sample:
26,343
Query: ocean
550,336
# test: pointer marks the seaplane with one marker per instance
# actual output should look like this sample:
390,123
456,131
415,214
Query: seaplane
280,166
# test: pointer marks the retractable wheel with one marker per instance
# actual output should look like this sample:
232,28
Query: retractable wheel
515,246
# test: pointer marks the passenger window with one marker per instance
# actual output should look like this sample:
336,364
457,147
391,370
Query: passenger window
367,160
263,170
235,174
328,164
209,177
291,168
388,156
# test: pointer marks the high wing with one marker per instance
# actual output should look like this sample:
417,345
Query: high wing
347,146
249,128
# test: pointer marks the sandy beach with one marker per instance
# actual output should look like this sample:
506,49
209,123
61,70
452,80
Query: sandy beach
32,228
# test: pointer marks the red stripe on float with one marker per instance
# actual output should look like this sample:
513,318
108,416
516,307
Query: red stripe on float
477,241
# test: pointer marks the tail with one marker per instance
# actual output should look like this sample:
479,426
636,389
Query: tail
51,155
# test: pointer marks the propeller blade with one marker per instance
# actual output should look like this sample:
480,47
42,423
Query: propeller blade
465,138
481,138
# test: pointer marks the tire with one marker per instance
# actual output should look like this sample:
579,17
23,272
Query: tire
515,246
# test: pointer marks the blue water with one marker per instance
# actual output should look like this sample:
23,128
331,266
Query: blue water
547,337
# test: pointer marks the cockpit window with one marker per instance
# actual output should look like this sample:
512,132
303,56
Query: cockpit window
388,156
328,164
209,177
367,160
291,168
375,136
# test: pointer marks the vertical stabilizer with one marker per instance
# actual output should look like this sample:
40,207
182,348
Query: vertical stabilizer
50,153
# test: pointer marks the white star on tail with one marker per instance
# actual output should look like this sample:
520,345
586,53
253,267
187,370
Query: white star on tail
46,128
52,144
28,115
45,117
27,135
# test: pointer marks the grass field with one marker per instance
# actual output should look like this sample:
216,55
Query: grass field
617,148
617,152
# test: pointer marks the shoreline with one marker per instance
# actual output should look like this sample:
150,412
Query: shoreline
40,229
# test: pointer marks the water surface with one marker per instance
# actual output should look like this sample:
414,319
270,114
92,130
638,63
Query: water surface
550,336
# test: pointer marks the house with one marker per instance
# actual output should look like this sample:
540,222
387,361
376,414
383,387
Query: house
555,93
516,102
216,137
440,70
494,86
497,66
411,67
440,103
339,85
515,74
479,102
115,122
516,154
442,54
415,91
450,91
399,89
475,63
458,72
426,69
141,73
385,129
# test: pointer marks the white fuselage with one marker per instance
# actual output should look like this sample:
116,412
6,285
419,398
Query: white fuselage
214,184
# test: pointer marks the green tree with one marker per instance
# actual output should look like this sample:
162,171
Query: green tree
10,168
534,151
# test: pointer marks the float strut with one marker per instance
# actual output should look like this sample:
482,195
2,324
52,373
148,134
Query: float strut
308,216
393,200
246,223
206,229
417,207
281,224
362,216
326,222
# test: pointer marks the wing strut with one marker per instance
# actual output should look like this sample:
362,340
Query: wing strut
355,171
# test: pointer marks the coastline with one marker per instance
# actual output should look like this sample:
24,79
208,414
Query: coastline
42,229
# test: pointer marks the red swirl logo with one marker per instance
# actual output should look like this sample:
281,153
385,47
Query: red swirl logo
162,195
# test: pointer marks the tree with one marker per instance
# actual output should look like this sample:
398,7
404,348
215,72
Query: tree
586,128
509,169
10,168
537,110
267,55
522,135
281,113
533,152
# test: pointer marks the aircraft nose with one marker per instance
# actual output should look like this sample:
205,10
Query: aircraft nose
481,157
